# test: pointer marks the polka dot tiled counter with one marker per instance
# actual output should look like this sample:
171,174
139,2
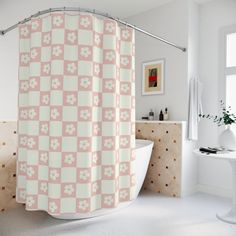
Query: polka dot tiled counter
165,172
8,146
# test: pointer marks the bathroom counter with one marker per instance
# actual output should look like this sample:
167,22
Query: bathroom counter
172,168
161,121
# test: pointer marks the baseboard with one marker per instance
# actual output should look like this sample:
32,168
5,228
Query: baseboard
189,191
218,191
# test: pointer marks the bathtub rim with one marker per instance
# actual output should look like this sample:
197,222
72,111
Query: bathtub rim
144,143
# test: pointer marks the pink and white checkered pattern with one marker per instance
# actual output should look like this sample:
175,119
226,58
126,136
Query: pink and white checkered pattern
76,114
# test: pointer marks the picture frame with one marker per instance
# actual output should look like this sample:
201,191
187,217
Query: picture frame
153,77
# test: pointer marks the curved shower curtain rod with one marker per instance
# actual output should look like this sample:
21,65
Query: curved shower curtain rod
3,32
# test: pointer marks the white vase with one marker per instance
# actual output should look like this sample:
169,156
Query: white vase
227,139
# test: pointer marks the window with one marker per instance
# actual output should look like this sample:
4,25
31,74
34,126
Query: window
231,50
230,70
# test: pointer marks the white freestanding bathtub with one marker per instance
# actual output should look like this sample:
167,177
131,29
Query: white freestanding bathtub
143,155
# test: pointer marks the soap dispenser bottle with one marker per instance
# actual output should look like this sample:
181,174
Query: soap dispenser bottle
161,116
166,115
151,115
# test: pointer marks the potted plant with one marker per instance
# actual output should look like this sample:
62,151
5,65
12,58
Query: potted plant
227,138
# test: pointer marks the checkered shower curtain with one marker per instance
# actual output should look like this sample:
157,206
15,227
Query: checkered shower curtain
76,114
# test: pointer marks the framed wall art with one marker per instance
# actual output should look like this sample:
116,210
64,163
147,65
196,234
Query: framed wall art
153,77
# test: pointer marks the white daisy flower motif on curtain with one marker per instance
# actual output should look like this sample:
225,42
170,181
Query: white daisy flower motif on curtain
124,141
44,187
47,38
69,159
57,20
96,69
71,99
84,144
56,51
85,52
109,115
95,187
108,143
124,115
124,61
34,25
125,34
85,22
31,113
84,174
124,88
69,189
30,201
95,157
24,114
110,56
70,129
46,68
108,171
44,157
23,141
71,67
44,128
108,200
52,206
54,144
33,83
24,86
33,53
110,27
85,82
45,99
96,129
96,100
123,167
54,175
109,85
25,58
22,195
71,37
24,31
85,114
123,194
23,167
54,113
31,142
55,83
83,205
97,39
30,171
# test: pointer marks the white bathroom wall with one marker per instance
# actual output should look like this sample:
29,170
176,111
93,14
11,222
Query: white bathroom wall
171,22
190,162
214,176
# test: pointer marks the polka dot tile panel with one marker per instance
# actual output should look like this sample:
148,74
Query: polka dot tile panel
8,146
164,172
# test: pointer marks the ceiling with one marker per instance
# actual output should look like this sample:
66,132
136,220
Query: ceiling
118,8
123,8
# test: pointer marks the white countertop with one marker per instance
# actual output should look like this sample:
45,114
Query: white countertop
161,121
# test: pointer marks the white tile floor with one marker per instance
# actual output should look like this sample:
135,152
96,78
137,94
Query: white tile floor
150,215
